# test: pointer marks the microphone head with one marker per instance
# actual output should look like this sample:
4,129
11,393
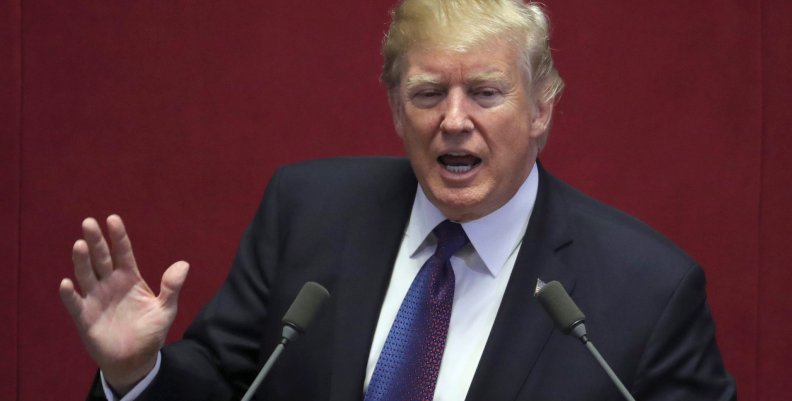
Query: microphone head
308,302
560,306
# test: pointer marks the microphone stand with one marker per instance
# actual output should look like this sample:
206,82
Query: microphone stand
605,365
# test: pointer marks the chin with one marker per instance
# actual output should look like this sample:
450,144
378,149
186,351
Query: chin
459,204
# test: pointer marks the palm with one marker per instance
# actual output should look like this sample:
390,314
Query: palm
121,321
122,317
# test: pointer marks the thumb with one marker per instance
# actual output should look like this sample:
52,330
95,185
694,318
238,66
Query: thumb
172,282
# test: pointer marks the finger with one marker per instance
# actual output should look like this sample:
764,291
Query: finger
172,282
71,299
82,266
121,253
97,246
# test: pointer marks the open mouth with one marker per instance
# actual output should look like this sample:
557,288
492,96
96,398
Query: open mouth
458,163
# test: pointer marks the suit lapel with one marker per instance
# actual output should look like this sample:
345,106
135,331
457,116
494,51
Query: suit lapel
521,327
376,231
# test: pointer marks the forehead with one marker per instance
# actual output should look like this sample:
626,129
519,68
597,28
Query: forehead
495,59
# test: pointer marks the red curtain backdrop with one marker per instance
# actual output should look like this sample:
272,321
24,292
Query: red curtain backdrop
175,114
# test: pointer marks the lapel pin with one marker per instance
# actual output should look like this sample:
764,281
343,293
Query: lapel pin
539,285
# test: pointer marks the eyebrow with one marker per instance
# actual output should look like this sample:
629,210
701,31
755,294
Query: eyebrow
422,79
434,79
491,76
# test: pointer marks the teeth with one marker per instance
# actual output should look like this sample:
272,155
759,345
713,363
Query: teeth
459,169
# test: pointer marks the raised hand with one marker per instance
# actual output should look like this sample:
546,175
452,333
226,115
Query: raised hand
121,322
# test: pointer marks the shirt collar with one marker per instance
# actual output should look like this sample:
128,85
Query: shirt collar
494,236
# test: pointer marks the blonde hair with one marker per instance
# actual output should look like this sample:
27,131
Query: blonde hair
460,25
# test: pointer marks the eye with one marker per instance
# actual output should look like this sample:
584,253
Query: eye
488,92
487,96
426,98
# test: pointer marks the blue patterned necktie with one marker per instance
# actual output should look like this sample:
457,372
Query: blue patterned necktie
410,360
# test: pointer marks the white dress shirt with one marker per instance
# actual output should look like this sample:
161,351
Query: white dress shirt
482,269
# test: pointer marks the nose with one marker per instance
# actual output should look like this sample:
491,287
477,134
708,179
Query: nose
456,118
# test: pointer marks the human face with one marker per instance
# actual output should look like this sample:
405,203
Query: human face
469,126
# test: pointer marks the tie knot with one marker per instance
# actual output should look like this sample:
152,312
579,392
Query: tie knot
450,238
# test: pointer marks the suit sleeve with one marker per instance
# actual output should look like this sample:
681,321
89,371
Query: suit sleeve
219,354
681,360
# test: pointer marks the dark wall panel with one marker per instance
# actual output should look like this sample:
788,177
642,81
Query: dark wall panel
10,90
775,275
174,115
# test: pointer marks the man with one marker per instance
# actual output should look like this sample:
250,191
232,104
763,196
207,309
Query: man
471,85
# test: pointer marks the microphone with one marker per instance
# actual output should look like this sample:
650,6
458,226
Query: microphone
302,311
300,314
566,315
570,320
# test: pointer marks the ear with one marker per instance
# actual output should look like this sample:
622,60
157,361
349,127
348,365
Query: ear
541,117
397,110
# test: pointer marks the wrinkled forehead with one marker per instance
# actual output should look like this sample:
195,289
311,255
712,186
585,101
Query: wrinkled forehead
495,56
495,59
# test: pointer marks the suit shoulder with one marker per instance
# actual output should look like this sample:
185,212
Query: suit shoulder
616,232
347,170
343,181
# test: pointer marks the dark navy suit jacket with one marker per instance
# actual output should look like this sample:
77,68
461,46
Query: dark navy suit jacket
340,222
